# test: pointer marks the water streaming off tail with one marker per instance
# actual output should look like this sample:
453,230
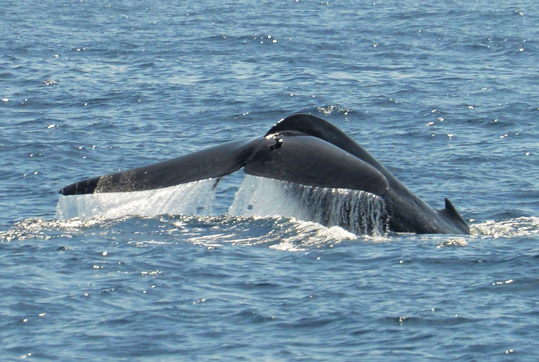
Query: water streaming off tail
194,198
357,211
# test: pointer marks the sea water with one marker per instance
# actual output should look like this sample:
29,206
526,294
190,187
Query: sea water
444,94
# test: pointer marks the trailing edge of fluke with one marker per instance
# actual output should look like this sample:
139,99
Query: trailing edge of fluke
303,149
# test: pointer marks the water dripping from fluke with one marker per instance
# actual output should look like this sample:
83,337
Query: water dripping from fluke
194,198
359,212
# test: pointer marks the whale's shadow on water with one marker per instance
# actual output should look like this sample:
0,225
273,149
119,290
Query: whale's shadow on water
326,175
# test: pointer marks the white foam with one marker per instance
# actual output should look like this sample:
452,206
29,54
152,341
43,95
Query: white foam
520,226
309,235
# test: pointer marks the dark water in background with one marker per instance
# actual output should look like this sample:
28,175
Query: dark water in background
443,94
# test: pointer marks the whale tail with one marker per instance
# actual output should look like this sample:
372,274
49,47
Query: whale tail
209,163
302,149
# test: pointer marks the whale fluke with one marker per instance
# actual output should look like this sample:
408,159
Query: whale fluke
303,149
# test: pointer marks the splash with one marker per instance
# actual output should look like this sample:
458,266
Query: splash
194,198
357,211
518,227
306,235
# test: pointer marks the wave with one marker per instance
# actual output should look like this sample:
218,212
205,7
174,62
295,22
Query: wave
276,232
279,233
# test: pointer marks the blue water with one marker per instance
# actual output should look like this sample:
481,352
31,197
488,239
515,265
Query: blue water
444,94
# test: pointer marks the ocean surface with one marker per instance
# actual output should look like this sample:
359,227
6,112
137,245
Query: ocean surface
444,94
